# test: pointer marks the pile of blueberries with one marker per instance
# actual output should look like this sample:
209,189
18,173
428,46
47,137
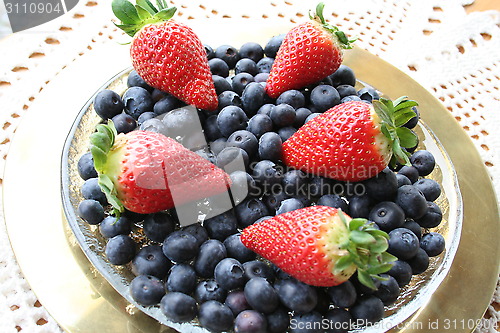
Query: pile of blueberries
203,270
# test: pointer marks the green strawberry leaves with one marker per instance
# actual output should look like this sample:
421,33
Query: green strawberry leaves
393,115
341,37
134,17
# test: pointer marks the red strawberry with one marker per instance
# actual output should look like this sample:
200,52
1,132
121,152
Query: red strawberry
168,55
353,141
310,52
321,246
147,172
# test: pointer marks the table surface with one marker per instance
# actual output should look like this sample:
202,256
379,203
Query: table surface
458,61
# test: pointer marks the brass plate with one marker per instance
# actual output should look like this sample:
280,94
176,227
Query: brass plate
81,300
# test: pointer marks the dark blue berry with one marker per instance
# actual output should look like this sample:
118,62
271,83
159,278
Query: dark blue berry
231,119
124,123
432,218
211,252
296,296
295,182
218,67
413,121
178,307
368,94
402,180
250,321
158,226
388,290
135,80
265,65
137,100
91,211
323,304
236,249
278,321
198,231
236,301
403,243
306,323
387,215
345,90
218,145
86,168
180,246
433,244
145,117
240,81
283,115
229,98
266,173
293,98
153,125
182,278
414,227
120,250
266,109
410,172
147,290
261,77
289,205
182,122
270,147
339,321
423,161
157,94
246,65
401,271
261,295
221,84
112,226
253,97
344,295
108,104
260,124
215,316
211,129
258,268
324,97
286,132
245,140
383,186
301,115
319,186
273,199
242,185
232,159
209,290
360,206
221,226
249,211
166,104
150,260
311,116
429,188
368,309
343,75
350,98
412,201
273,45
333,200
420,262
251,50
229,274
229,54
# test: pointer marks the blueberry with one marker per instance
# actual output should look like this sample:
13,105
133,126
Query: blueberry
229,54
402,180
218,145
319,186
182,122
301,115
180,246
273,45
423,161
221,84
293,98
166,104
265,65
295,182
144,117
157,94
135,80
250,321
211,252
368,94
433,244
388,291
211,129
158,226
410,172
324,97
232,159
266,173
261,77
306,323
360,206
91,190
273,199
412,201
178,307
266,109
350,98
258,268
368,309
401,271
209,290
345,90
124,123
210,51
112,226
383,186
387,215
245,140
344,295
270,147
261,295
286,132
278,321
323,304
215,316
403,243
231,119
432,218
249,211
343,75
253,97
153,125
221,226
218,67
362,289
120,250
236,249
283,115
229,274
429,188
198,231
246,65
296,296
86,168
237,301
289,205
333,200
339,321
420,262
413,121
260,124
182,278
311,116
108,104
240,81
242,185
147,290
229,98
252,50
414,227
91,211
137,100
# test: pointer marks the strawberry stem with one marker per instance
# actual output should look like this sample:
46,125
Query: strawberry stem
341,37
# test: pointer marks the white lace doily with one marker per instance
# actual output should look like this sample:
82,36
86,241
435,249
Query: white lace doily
454,55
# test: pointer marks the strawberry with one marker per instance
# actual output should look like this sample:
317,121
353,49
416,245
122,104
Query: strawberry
147,172
167,54
321,246
310,52
353,141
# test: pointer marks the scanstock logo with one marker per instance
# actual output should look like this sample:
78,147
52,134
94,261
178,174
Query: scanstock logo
25,14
